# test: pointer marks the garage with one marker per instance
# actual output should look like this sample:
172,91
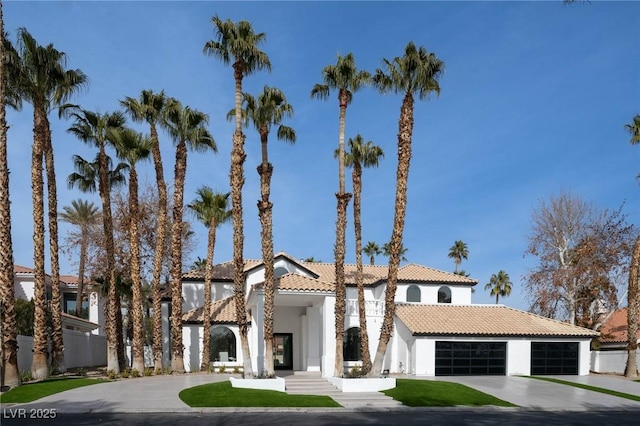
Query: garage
471,358
554,358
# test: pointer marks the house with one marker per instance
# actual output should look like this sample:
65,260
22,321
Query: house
437,330
24,288
613,342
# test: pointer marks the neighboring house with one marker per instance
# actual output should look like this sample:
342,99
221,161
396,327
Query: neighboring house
438,331
613,333
24,283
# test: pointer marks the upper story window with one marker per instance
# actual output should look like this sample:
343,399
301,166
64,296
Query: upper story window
413,293
444,295
280,271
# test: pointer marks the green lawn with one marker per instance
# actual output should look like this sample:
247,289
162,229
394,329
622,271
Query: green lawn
591,388
432,393
31,391
222,394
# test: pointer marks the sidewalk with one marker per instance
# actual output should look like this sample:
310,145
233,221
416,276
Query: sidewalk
160,394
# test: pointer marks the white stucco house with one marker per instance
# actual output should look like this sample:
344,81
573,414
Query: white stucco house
437,330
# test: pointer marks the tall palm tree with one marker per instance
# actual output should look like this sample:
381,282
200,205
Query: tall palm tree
133,147
268,110
458,252
149,108
499,285
346,79
187,128
372,250
633,295
237,44
93,128
386,251
82,214
361,154
212,209
416,72
9,359
40,78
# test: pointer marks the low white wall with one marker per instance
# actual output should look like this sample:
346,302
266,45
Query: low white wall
363,384
80,350
610,361
275,384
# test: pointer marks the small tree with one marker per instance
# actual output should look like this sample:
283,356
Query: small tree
499,285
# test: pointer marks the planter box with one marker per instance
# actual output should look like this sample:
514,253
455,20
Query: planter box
276,384
363,384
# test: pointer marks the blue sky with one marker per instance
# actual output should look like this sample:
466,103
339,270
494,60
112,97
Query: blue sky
533,101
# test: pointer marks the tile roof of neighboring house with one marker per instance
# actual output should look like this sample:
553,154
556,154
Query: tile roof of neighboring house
223,312
66,279
482,320
372,274
17,269
615,329
75,318
299,283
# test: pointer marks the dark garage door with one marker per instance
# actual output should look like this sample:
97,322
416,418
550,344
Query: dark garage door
554,358
471,358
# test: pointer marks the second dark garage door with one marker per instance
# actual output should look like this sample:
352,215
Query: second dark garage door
471,358
554,358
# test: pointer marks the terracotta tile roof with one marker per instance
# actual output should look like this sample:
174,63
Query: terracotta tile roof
17,269
295,282
66,279
413,272
615,329
482,320
223,312
221,271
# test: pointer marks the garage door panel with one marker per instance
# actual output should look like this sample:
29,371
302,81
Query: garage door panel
470,358
560,358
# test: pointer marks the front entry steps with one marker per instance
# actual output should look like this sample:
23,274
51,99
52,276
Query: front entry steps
312,383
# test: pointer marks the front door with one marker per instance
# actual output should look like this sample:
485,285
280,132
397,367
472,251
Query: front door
282,351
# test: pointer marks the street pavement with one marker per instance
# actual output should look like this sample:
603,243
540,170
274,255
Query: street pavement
159,394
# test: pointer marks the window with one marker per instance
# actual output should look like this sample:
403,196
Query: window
69,305
352,350
280,271
223,345
444,295
413,293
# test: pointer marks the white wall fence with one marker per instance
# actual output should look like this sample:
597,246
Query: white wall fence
80,350
610,361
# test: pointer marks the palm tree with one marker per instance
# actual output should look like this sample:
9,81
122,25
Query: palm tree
386,251
212,209
187,128
40,78
93,128
133,147
372,250
416,72
633,295
361,155
458,252
239,43
149,108
82,214
346,79
9,344
499,284
268,110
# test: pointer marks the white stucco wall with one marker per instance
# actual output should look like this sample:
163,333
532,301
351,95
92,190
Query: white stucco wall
611,361
460,295
193,294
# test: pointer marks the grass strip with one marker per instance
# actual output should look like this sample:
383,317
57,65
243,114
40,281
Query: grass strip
433,393
588,387
32,391
222,394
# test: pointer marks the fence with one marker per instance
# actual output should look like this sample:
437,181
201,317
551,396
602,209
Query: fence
80,350
610,361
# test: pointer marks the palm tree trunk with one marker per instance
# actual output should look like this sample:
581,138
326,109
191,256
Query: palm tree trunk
237,182
9,345
265,209
633,307
340,246
81,266
362,312
138,326
160,247
208,277
39,367
58,362
405,132
177,360
114,302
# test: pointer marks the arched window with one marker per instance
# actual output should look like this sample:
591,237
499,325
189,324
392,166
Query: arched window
223,344
351,349
280,271
444,295
413,293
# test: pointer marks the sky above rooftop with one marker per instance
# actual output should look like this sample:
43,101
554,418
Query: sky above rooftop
534,99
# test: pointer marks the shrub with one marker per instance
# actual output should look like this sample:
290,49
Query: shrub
148,372
125,373
236,370
355,372
26,376
222,368
134,372
111,375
